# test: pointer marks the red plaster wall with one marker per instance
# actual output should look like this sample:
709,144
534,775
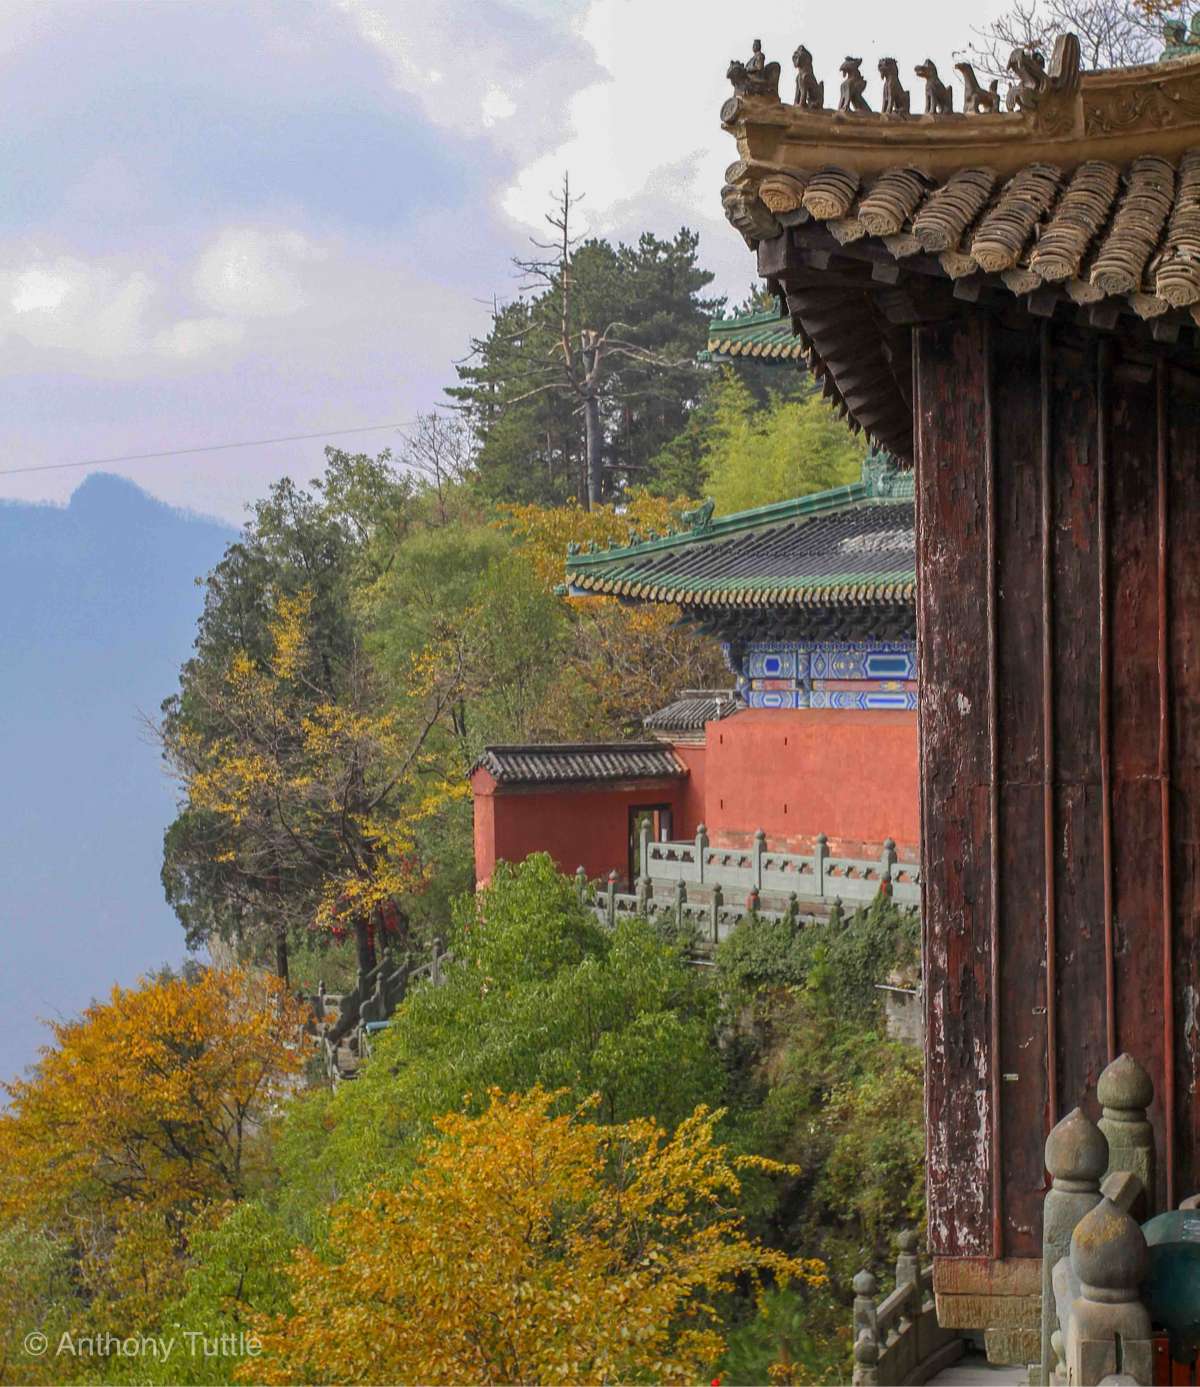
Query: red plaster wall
796,773
576,824
692,806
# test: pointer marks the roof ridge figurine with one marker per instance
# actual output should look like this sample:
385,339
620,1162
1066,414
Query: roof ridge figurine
977,100
756,77
939,98
896,101
853,86
810,94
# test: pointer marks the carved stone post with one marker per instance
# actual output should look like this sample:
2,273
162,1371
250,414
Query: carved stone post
717,902
680,902
820,853
866,1360
581,884
908,1276
1076,1154
612,899
1125,1092
1108,1329
793,909
701,849
752,900
644,852
887,860
760,847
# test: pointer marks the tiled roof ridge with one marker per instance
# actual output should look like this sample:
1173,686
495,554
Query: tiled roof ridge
570,762
836,498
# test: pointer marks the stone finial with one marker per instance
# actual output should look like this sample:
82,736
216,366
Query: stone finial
865,1284
1107,1326
1076,1157
1108,1254
1125,1092
1076,1153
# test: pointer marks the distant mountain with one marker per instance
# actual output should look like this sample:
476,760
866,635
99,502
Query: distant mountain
98,604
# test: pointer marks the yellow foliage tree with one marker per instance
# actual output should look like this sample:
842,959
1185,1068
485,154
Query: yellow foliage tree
316,785
629,659
143,1112
530,1246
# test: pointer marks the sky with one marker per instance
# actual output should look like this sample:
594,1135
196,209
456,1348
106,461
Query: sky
237,221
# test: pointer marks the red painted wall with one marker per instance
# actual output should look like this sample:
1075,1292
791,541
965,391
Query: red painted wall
692,805
578,825
796,773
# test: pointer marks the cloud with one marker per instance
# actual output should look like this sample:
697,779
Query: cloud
66,304
248,272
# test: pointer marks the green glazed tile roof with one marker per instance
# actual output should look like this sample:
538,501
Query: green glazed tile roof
758,336
851,546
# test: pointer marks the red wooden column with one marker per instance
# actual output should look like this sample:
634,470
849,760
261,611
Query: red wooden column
1058,483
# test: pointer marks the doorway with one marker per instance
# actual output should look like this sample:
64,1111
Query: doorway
659,817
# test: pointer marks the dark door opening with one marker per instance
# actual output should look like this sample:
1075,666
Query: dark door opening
659,818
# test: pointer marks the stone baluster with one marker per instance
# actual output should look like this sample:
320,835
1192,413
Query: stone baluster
752,901
793,909
701,849
1076,1155
887,862
866,1360
866,1331
644,852
820,853
718,901
760,847
612,899
581,884
1125,1092
908,1277
1108,1328
680,902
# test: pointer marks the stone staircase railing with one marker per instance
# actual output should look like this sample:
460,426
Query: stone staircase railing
372,1000
899,1339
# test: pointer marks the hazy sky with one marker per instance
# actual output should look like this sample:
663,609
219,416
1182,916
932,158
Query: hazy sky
227,221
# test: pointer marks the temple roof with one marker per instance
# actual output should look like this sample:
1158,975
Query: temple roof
1081,204
765,337
693,709
849,546
579,761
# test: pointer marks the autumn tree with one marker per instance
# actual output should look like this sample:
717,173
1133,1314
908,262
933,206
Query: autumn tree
311,785
530,1246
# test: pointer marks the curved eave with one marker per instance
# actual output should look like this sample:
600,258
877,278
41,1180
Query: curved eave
1114,115
899,592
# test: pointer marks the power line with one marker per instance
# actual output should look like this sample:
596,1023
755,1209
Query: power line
208,448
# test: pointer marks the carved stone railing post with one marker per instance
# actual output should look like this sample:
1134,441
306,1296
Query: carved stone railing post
865,1287
1076,1155
717,902
760,847
1108,1328
793,909
820,853
908,1280
612,899
1125,1092
866,1360
680,902
701,849
644,851
887,861
752,901
581,884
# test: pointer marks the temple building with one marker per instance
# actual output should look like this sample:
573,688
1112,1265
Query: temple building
1008,300
813,600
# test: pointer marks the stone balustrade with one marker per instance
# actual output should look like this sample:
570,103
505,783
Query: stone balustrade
817,876
899,1339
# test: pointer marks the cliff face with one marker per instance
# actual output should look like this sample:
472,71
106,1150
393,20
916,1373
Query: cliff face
98,604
